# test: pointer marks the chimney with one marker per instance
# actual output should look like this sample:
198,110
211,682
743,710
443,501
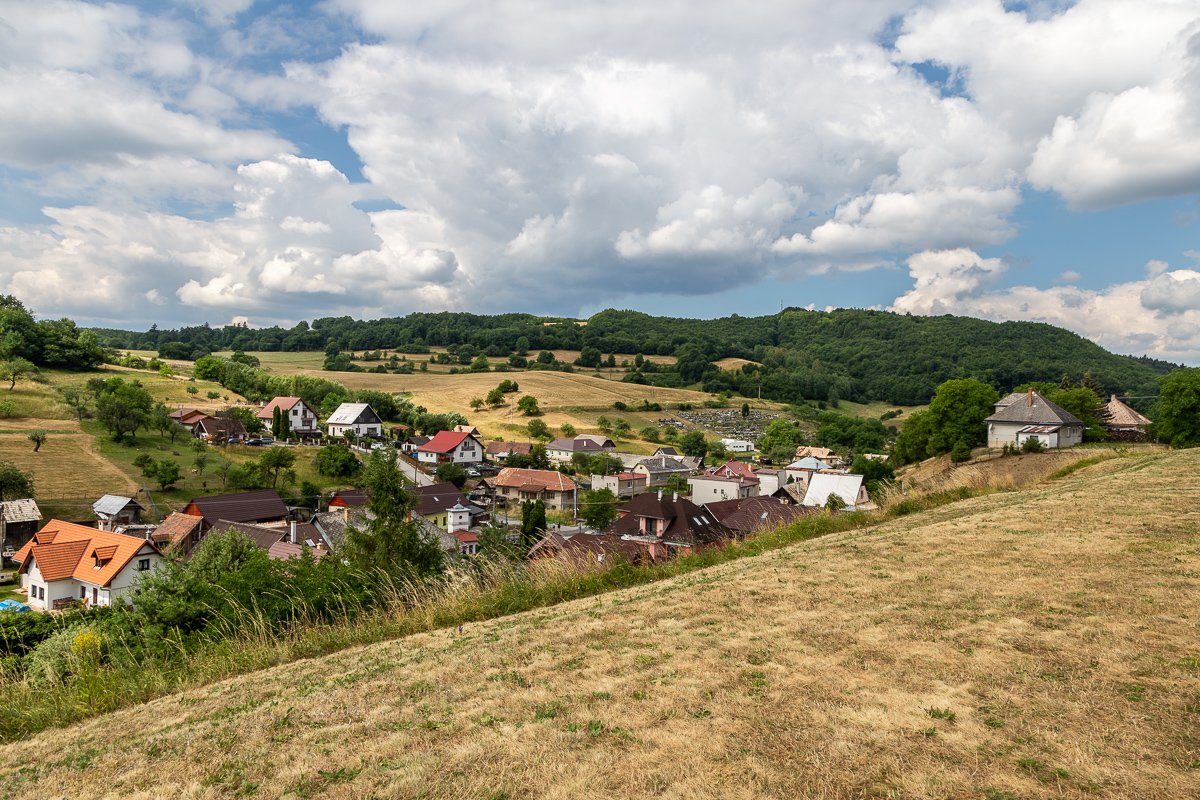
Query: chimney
1029,402
292,532
674,497
346,514
660,495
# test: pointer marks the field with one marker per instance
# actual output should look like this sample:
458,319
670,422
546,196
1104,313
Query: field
1036,644
68,471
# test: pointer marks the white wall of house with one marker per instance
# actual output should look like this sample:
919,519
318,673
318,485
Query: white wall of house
302,419
468,451
1002,433
74,589
738,445
708,490
769,482
358,429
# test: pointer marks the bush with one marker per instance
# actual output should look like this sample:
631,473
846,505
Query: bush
1032,445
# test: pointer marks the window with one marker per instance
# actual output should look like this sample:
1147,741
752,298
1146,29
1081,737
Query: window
143,564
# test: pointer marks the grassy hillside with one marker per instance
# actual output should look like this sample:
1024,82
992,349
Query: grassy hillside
1032,644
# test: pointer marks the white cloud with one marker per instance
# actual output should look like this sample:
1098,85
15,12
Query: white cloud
1158,316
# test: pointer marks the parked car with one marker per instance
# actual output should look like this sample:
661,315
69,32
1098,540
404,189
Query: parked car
260,441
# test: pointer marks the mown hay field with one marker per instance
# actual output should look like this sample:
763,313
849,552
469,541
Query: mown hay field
67,466
1037,644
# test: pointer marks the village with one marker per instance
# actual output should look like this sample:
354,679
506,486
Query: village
588,501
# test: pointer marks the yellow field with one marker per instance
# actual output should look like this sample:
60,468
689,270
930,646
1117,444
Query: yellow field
67,466
733,363
1040,644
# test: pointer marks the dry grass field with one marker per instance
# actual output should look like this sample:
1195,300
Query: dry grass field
68,465
1039,644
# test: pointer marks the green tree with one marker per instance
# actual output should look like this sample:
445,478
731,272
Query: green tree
167,474
780,435
1085,405
912,444
451,473
16,369
1177,421
745,410
567,430
38,438
522,346
539,429
14,483
957,411
76,399
275,462
693,444
598,508
122,408
390,542
495,398
336,461
533,522
622,428
605,425
528,405
545,357
200,462
496,544
476,403
604,464
876,473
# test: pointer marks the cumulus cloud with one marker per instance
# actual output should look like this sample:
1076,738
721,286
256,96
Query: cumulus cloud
1158,316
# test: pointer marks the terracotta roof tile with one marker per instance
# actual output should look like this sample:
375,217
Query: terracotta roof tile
56,534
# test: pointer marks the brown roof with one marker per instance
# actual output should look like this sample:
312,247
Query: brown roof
763,513
1034,409
518,448
733,468
66,550
1118,415
175,529
282,403
588,547
276,539
436,498
349,497
263,505
533,480
687,523
219,426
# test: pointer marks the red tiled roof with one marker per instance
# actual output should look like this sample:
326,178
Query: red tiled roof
443,442
59,542
176,528
284,403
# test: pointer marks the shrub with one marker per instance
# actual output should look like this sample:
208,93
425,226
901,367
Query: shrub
1032,445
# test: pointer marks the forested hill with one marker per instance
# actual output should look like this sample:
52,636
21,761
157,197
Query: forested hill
848,354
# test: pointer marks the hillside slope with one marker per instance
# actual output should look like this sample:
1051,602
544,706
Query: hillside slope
1033,644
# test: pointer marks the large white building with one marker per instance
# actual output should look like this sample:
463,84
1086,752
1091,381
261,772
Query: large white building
358,419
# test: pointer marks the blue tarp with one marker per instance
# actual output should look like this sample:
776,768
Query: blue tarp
13,605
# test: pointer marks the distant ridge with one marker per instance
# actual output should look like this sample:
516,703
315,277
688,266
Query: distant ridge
818,355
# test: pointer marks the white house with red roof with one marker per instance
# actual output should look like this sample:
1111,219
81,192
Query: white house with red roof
65,563
300,417
458,447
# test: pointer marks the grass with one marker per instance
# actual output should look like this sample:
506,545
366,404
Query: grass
794,673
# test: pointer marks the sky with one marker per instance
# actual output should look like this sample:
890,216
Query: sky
269,162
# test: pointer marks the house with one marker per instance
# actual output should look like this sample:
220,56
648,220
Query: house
738,445
801,470
451,447
178,533
1033,417
412,443
500,451
667,525
769,480
733,469
302,421
281,542
258,506
666,451
848,487
589,548
621,484
756,514
710,488
434,503
220,429
659,470
349,498
822,453
471,429
189,418
1122,422
561,451
19,520
556,490
355,419
113,510
65,563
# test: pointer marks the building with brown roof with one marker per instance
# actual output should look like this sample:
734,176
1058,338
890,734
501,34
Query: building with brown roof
667,525
349,498
757,514
500,451
553,488
1122,421
280,541
220,429
258,506
301,419
178,533
65,563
